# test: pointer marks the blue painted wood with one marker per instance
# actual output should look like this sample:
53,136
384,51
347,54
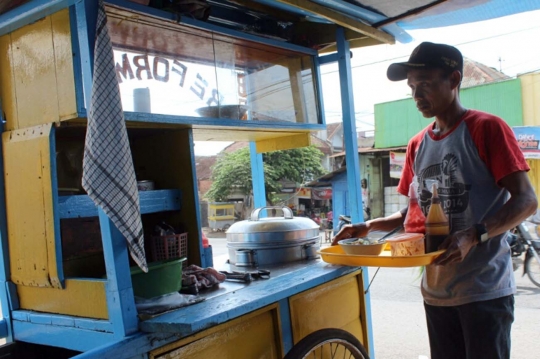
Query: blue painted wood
62,320
77,63
328,59
206,122
93,324
7,294
349,127
21,315
4,328
208,257
13,297
318,89
351,156
86,18
286,326
340,194
29,13
234,304
80,206
120,300
257,177
130,347
58,336
211,27
56,218
205,256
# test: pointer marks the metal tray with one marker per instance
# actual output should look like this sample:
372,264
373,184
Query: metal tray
336,255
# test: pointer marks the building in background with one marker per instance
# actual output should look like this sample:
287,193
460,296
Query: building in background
381,160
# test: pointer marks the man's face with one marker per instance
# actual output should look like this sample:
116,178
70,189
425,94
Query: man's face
431,90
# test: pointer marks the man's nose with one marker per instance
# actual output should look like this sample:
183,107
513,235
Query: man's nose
417,93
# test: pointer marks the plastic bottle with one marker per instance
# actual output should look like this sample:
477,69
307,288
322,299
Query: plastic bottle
415,220
437,227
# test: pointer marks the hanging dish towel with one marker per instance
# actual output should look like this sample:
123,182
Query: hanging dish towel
108,173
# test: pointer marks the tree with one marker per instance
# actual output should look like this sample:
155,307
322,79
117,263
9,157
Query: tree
233,170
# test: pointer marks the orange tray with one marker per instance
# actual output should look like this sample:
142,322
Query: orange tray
336,255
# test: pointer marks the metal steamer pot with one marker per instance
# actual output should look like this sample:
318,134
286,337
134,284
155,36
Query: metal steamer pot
264,241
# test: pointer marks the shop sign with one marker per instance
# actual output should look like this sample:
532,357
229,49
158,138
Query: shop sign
528,138
190,85
321,193
397,161
304,192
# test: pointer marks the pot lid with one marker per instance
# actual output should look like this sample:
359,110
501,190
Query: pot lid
287,223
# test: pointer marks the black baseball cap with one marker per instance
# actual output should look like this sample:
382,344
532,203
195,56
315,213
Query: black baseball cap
427,55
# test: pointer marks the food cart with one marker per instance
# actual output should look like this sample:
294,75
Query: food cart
220,215
186,70
182,76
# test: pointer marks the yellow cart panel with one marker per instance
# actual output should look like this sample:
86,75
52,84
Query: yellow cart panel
81,298
338,304
37,84
255,335
29,207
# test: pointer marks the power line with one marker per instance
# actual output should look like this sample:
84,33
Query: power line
462,43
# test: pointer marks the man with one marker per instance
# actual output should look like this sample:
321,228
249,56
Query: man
366,201
481,175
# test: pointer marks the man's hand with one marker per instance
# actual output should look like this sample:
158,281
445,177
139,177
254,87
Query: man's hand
457,246
351,231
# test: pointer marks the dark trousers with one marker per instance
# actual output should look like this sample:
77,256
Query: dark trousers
479,330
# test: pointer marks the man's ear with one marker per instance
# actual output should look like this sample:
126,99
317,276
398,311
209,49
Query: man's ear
455,79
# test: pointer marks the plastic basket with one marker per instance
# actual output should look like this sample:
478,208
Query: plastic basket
169,247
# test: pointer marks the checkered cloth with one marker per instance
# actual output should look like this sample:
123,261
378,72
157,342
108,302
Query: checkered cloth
108,173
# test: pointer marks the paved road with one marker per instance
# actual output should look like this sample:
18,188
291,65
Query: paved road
399,327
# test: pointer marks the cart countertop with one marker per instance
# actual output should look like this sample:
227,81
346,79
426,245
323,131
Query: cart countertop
234,299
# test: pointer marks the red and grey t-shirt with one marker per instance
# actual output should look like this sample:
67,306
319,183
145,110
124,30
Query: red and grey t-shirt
466,163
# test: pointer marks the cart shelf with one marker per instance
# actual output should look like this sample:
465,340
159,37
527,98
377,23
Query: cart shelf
79,206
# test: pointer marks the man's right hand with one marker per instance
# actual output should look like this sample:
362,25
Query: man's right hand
351,231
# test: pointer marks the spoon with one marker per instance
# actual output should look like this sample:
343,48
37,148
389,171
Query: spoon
391,233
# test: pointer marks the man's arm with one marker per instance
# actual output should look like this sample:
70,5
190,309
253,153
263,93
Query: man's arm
521,205
359,230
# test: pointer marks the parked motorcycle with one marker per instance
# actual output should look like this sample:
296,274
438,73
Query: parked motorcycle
521,241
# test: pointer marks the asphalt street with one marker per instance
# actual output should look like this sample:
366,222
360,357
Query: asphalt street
399,327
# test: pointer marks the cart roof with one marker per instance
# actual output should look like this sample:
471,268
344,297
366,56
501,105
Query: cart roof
310,22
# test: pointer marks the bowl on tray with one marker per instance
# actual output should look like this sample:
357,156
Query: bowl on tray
362,246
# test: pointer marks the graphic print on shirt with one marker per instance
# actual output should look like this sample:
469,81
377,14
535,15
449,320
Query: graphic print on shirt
454,193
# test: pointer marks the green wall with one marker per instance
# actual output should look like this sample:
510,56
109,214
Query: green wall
397,121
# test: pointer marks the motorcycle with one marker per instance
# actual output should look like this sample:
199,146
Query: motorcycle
521,241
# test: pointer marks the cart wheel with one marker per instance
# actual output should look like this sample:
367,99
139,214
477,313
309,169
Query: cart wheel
328,344
225,227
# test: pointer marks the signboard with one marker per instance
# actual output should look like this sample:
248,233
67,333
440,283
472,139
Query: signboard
304,192
322,193
397,161
528,138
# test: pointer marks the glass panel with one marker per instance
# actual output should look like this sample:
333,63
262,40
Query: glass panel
171,69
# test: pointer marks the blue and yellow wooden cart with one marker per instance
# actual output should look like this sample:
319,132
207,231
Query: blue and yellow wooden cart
222,70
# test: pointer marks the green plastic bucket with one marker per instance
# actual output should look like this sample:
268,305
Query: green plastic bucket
163,277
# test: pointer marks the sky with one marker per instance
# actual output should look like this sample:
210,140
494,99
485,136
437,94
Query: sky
508,44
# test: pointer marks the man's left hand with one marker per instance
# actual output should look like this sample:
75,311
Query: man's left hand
457,246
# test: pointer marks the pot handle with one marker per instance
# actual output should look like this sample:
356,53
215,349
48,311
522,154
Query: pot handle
310,250
255,214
